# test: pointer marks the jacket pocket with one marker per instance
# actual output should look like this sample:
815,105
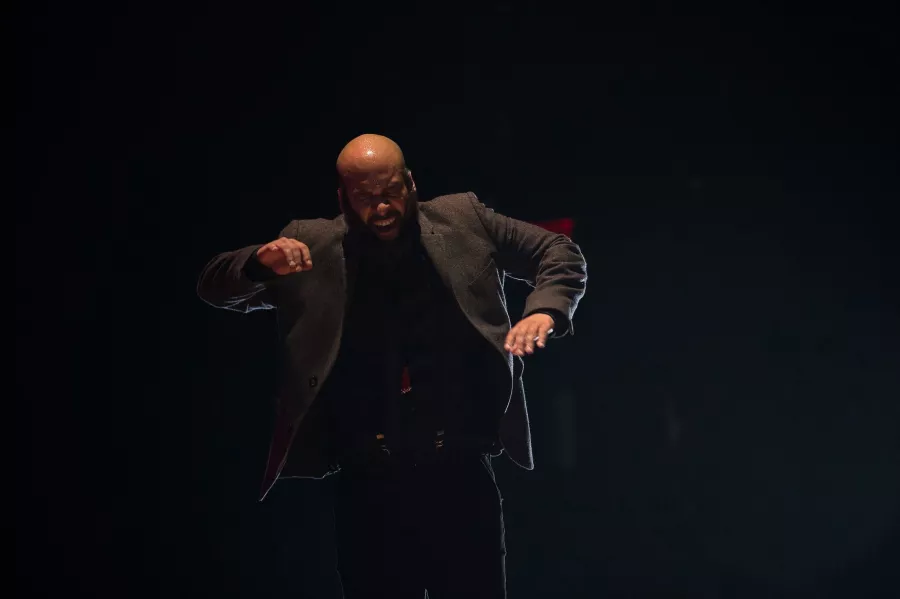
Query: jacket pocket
490,267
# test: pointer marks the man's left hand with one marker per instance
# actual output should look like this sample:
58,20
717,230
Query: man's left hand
529,332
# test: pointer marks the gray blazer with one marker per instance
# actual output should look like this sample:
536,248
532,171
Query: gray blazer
472,248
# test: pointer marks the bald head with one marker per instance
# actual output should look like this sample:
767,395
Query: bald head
369,153
376,184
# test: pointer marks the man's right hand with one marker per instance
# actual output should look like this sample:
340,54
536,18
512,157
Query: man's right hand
285,256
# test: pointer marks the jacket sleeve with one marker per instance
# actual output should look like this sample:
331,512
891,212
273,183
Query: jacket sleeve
550,262
237,281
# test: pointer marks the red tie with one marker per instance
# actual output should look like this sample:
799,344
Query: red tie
405,385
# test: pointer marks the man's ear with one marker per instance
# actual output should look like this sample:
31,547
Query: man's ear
410,182
342,200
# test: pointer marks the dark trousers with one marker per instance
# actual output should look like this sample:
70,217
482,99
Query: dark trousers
405,527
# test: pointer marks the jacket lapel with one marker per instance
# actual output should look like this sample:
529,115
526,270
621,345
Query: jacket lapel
442,257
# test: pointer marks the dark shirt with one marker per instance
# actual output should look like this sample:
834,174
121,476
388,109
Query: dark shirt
400,316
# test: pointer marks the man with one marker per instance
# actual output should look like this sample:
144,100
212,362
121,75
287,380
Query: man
401,370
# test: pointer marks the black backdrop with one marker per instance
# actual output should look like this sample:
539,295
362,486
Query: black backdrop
723,423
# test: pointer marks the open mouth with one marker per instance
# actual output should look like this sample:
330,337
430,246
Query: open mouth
384,224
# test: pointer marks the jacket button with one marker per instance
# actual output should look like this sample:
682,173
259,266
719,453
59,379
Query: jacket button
313,381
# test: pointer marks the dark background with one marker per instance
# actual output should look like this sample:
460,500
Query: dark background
724,423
